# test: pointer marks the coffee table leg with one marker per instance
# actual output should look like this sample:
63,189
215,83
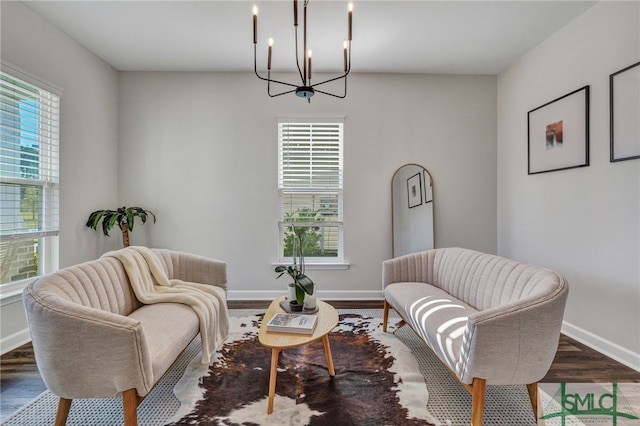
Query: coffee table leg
327,354
275,353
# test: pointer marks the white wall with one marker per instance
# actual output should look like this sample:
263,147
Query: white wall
582,222
88,137
200,150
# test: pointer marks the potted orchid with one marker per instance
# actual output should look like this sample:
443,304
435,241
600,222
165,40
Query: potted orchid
303,284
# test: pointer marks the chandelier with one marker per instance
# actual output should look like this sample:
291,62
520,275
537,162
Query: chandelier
305,89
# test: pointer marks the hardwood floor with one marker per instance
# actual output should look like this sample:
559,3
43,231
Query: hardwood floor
20,380
574,363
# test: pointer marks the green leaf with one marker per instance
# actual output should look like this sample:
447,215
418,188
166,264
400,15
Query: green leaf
113,218
299,295
130,219
105,222
94,219
305,283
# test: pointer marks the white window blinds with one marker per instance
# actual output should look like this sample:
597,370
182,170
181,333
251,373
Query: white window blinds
310,186
311,155
29,163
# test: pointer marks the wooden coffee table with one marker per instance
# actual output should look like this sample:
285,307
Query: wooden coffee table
327,320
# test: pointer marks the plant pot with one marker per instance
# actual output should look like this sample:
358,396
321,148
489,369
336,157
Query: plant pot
295,306
292,292
310,299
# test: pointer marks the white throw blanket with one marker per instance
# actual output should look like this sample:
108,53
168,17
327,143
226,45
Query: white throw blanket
151,284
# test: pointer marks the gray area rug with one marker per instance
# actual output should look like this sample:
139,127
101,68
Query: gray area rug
446,400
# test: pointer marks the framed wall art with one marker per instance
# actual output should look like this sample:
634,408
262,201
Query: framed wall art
559,133
428,186
414,190
624,113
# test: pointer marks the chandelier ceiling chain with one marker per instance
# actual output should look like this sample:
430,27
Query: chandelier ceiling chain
305,89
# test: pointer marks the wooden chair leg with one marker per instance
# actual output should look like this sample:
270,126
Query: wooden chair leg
477,401
533,396
385,316
130,404
63,411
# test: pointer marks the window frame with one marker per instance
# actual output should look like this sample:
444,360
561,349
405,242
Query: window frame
312,262
48,241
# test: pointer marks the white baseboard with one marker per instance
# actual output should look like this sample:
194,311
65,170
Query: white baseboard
610,349
322,295
14,341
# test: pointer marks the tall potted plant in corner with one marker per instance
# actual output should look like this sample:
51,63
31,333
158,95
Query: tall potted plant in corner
124,217
303,284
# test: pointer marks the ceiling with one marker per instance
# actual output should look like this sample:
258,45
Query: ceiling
435,37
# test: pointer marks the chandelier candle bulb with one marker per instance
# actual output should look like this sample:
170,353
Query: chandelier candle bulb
350,19
345,55
269,54
255,24
304,44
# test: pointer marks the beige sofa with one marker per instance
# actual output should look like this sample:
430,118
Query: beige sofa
490,320
93,339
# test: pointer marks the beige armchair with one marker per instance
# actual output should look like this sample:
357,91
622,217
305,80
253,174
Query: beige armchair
93,339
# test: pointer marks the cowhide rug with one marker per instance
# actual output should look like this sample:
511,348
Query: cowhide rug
377,381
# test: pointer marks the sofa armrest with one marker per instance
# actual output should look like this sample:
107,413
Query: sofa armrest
85,352
194,268
414,267
515,343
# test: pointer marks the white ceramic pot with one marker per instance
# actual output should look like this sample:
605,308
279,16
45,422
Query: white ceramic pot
291,295
310,299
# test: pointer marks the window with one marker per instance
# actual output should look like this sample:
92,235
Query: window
29,178
310,189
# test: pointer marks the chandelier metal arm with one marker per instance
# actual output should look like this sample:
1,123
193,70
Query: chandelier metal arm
278,94
344,95
335,96
297,59
268,79
331,79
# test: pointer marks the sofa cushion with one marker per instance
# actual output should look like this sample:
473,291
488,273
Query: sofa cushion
168,329
434,315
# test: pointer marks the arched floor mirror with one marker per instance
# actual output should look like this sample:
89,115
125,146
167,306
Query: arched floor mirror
412,210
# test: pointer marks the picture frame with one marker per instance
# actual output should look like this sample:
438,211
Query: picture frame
624,110
414,190
558,133
428,187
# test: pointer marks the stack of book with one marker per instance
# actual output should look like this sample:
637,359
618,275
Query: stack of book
292,323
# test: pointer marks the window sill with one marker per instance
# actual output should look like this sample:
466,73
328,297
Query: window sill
320,265
11,293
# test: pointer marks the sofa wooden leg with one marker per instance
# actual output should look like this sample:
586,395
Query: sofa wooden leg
385,316
477,401
63,411
533,396
130,404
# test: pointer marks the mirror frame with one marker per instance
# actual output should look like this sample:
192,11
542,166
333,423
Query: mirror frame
424,170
